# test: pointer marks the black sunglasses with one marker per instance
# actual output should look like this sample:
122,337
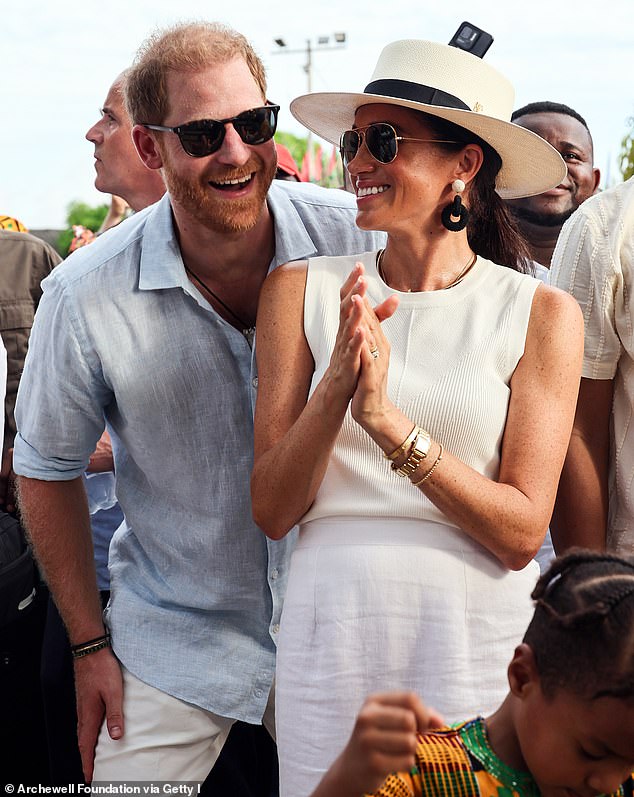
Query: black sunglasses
381,140
205,136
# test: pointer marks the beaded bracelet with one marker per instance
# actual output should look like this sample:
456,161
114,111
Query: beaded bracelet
432,469
92,646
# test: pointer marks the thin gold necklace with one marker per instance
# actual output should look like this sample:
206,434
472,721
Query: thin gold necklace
456,281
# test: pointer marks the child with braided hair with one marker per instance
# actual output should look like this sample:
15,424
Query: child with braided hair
565,729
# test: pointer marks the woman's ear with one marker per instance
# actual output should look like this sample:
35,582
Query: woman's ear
145,144
471,159
522,671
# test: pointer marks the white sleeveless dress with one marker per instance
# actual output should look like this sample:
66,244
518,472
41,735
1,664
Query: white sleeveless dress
384,591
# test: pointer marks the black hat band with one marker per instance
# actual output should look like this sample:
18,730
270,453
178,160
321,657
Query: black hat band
415,92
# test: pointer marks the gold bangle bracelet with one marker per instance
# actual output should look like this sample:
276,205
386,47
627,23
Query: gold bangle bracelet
417,453
404,446
432,469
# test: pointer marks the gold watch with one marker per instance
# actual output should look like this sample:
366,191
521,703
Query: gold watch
417,453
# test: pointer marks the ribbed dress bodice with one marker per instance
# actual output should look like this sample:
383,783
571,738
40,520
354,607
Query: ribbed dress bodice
453,353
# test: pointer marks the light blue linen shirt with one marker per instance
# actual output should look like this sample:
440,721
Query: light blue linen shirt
121,332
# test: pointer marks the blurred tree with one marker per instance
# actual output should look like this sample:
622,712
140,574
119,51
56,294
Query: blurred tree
83,215
626,156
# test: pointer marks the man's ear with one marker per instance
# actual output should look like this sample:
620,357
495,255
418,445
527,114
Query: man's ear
145,144
522,671
597,180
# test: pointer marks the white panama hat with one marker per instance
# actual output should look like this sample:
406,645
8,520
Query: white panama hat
452,84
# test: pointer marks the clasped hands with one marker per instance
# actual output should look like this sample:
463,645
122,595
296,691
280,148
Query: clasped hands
361,355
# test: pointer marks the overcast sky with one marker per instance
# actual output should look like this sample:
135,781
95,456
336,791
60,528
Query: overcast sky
57,61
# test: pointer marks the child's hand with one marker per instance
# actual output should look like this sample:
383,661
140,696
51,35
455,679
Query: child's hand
383,741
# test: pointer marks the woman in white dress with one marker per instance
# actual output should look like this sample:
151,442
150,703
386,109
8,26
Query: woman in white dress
414,408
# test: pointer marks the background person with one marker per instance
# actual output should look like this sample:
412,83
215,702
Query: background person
25,261
565,727
439,355
593,261
286,166
541,217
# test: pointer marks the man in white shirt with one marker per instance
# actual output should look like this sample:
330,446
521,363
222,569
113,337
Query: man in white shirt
593,261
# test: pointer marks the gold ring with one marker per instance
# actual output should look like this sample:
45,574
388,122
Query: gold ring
374,353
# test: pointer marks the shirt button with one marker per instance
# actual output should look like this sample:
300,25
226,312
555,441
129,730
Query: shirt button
275,629
257,693
274,573
254,381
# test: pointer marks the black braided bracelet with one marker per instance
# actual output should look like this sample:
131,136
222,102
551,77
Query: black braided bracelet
92,646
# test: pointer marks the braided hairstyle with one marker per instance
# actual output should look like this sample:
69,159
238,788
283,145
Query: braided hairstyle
582,632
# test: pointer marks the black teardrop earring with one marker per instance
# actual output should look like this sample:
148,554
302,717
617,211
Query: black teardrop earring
455,216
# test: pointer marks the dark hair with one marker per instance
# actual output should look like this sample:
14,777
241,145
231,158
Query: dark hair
582,632
492,229
545,106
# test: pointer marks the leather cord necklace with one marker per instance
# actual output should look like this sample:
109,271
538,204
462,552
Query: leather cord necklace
248,330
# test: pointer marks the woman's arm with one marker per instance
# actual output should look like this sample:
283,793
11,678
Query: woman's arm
508,516
294,436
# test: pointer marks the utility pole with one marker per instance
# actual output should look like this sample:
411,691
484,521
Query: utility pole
323,43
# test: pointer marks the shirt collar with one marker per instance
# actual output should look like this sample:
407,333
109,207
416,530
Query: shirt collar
161,262
292,240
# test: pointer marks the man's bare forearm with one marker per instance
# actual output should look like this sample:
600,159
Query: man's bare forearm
57,521
581,508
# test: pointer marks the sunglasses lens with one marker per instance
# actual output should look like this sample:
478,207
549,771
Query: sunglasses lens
349,146
257,126
201,138
381,142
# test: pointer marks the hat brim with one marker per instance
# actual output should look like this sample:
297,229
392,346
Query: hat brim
530,165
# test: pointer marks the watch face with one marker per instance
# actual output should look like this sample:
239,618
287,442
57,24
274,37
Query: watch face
418,452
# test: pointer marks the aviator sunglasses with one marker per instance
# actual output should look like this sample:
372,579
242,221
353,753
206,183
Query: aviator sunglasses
205,136
381,140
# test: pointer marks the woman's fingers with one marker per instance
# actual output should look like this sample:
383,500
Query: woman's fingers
351,280
387,308
371,319
357,312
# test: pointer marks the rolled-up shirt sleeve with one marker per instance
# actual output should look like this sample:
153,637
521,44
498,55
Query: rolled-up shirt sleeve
62,394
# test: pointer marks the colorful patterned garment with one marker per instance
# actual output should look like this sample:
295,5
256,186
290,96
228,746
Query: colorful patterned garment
10,223
459,762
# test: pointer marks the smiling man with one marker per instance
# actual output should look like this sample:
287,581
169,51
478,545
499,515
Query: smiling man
151,327
541,217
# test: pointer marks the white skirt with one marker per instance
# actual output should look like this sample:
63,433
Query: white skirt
376,604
